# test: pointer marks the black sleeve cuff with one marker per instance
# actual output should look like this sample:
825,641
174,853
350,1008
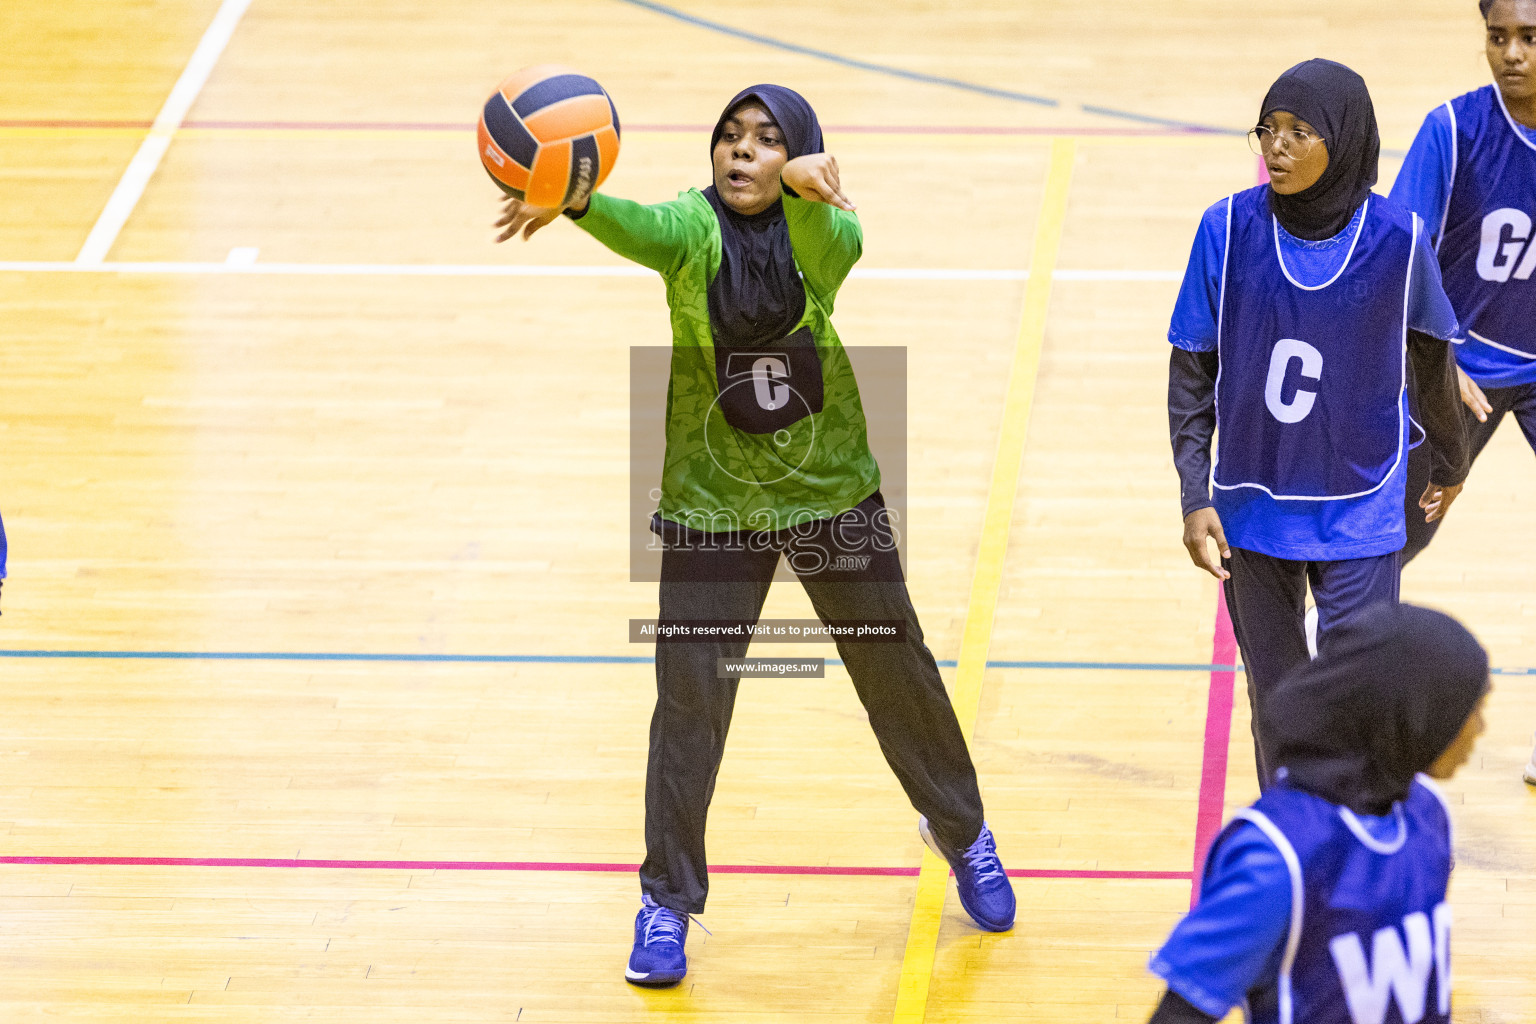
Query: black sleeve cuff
1175,1009
1196,504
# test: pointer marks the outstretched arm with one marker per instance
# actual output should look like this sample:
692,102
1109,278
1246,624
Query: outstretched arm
657,236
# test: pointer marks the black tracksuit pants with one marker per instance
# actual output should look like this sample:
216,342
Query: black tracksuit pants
1266,599
712,577
1520,401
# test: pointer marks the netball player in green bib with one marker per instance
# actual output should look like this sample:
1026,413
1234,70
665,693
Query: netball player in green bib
767,456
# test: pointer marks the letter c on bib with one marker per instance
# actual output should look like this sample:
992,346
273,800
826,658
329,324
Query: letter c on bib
765,371
1301,403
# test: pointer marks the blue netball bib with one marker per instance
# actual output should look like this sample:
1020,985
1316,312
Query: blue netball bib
1309,399
1487,248
1370,934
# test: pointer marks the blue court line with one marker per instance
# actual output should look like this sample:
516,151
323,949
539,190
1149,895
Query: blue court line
912,76
594,659
1167,122
952,83
834,58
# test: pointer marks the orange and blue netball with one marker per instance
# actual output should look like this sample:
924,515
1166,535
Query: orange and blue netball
549,135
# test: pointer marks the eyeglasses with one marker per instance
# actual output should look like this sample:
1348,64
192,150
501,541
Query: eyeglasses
1297,142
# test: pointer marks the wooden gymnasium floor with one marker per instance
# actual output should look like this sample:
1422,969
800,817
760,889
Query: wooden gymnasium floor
257,510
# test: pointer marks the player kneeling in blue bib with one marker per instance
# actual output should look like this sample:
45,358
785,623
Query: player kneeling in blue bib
1310,308
1325,901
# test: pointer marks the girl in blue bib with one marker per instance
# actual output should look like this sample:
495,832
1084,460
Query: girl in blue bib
1310,314
1325,901
1471,177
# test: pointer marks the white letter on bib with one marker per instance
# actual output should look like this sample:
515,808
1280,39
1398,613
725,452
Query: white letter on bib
1279,361
765,371
1443,956
1395,973
1494,247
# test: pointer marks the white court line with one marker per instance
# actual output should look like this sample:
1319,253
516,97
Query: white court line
494,270
144,163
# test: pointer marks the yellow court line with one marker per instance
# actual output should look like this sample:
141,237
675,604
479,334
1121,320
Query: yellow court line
11,132
933,879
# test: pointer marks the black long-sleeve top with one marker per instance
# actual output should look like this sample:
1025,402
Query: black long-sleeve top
1192,415
1175,1009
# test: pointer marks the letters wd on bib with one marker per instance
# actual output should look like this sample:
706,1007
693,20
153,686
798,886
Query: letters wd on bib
1325,901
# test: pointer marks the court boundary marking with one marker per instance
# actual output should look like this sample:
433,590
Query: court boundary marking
1216,668
1210,803
558,867
119,125
921,77
130,187
556,659
537,270
992,549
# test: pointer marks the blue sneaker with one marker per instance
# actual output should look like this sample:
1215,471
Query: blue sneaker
985,892
658,957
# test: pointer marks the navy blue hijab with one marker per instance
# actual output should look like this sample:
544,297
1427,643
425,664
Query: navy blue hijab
756,298
789,110
1334,100
1382,701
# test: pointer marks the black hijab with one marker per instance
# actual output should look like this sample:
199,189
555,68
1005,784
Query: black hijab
756,298
1383,700
1334,100
790,111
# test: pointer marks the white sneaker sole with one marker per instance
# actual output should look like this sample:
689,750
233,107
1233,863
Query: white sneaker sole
1529,775
928,840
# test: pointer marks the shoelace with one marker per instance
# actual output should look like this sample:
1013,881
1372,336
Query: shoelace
982,858
664,925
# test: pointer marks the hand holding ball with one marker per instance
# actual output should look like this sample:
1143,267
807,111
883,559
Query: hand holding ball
549,136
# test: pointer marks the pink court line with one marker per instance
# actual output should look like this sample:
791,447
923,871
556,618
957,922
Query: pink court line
449,126
1218,713
564,867
1218,735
